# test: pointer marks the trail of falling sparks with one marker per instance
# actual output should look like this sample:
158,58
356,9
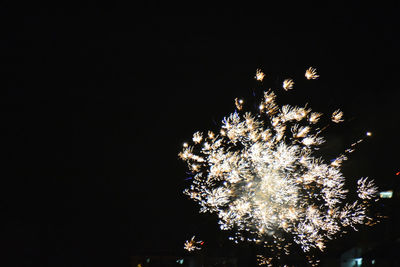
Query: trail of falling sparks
260,177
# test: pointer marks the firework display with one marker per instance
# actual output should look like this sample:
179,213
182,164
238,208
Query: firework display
259,174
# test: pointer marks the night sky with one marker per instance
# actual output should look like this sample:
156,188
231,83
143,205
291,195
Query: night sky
98,99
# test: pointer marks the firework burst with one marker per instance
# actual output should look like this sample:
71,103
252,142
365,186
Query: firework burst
260,176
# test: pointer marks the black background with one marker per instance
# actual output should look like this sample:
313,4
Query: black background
98,99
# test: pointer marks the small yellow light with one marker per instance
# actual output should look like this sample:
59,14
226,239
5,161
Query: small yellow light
259,75
369,134
185,144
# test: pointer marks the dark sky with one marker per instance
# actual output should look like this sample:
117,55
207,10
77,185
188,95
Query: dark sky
97,100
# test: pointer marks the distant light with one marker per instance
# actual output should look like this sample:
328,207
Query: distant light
373,261
185,145
386,194
180,261
369,134
398,173
148,260
358,261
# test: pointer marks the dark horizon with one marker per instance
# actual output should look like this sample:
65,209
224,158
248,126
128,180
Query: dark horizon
98,100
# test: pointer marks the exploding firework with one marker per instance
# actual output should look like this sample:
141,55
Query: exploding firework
260,176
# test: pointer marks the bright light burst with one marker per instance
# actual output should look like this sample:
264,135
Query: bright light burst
311,73
261,177
337,116
288,84
191,245
239,103
259,75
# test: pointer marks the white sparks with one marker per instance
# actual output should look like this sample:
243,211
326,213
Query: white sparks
366,189
261,177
